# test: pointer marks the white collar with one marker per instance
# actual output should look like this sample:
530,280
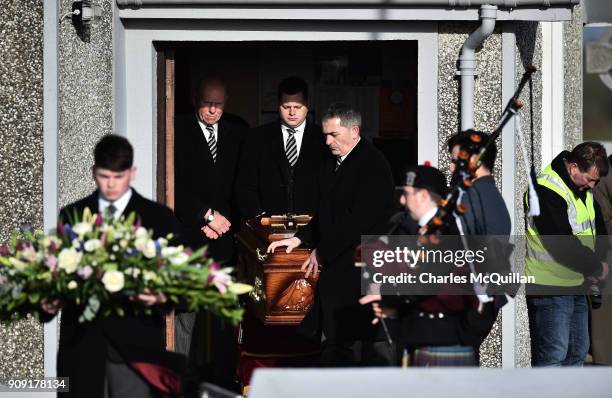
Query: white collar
120,204
298,130
351,150
203,126
428,216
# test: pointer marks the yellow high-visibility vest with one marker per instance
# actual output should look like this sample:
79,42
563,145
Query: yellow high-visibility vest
581,216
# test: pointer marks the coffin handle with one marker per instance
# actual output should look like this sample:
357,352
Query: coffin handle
261,257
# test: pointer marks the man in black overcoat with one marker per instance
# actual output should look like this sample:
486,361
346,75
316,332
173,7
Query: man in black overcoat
356,198
279,167
207,148
96,355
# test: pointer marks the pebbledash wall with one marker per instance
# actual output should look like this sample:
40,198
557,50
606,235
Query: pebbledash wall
82,108
21,160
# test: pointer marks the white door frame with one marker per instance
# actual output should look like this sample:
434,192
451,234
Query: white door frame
135,72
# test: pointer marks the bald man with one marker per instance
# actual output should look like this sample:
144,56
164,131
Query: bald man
206,148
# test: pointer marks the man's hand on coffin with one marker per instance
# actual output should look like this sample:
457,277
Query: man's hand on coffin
290,243
311,265
148,298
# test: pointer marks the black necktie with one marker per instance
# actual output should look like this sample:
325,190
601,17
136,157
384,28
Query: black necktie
338,163
212,142
291,148
112,209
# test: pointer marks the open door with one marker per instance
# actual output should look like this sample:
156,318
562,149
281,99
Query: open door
165,148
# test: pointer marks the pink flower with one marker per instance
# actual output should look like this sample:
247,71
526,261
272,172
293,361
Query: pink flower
51,262
52,247
98,220
221,280
214,267
85,272
4,250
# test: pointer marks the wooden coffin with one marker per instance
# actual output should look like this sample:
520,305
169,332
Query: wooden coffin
281,294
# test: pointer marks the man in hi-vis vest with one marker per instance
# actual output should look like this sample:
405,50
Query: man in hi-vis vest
565,256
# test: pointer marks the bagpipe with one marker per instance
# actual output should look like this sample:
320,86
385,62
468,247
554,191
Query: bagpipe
451,208
467,162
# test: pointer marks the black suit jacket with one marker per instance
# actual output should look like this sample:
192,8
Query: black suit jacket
356,200
83,346
201,184
267,183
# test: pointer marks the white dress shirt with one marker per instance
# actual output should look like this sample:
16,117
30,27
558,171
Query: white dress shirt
120,204
206,133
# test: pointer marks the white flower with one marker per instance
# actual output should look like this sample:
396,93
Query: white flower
162,242
115,248
51,239
92,245
140,244
113,281
149,250
123,243
30,255
76,243
133,272
20,265
141,232
72,285
81,228
170,251
68,260
179,258
149,275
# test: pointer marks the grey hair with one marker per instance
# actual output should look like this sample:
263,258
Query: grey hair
348,115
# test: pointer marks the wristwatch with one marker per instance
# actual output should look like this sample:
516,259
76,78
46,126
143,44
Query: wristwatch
211,217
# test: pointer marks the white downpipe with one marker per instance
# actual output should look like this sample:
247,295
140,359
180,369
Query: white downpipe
552,91
467,63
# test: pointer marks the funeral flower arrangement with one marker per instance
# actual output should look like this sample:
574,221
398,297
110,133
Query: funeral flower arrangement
97,264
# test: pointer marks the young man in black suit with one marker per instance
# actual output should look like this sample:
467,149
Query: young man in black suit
280,162
206,163
94,355
356,198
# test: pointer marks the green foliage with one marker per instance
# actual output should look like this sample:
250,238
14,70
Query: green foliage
99,266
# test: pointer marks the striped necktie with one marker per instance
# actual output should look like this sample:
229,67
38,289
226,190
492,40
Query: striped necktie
212,142
338,163
291,147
